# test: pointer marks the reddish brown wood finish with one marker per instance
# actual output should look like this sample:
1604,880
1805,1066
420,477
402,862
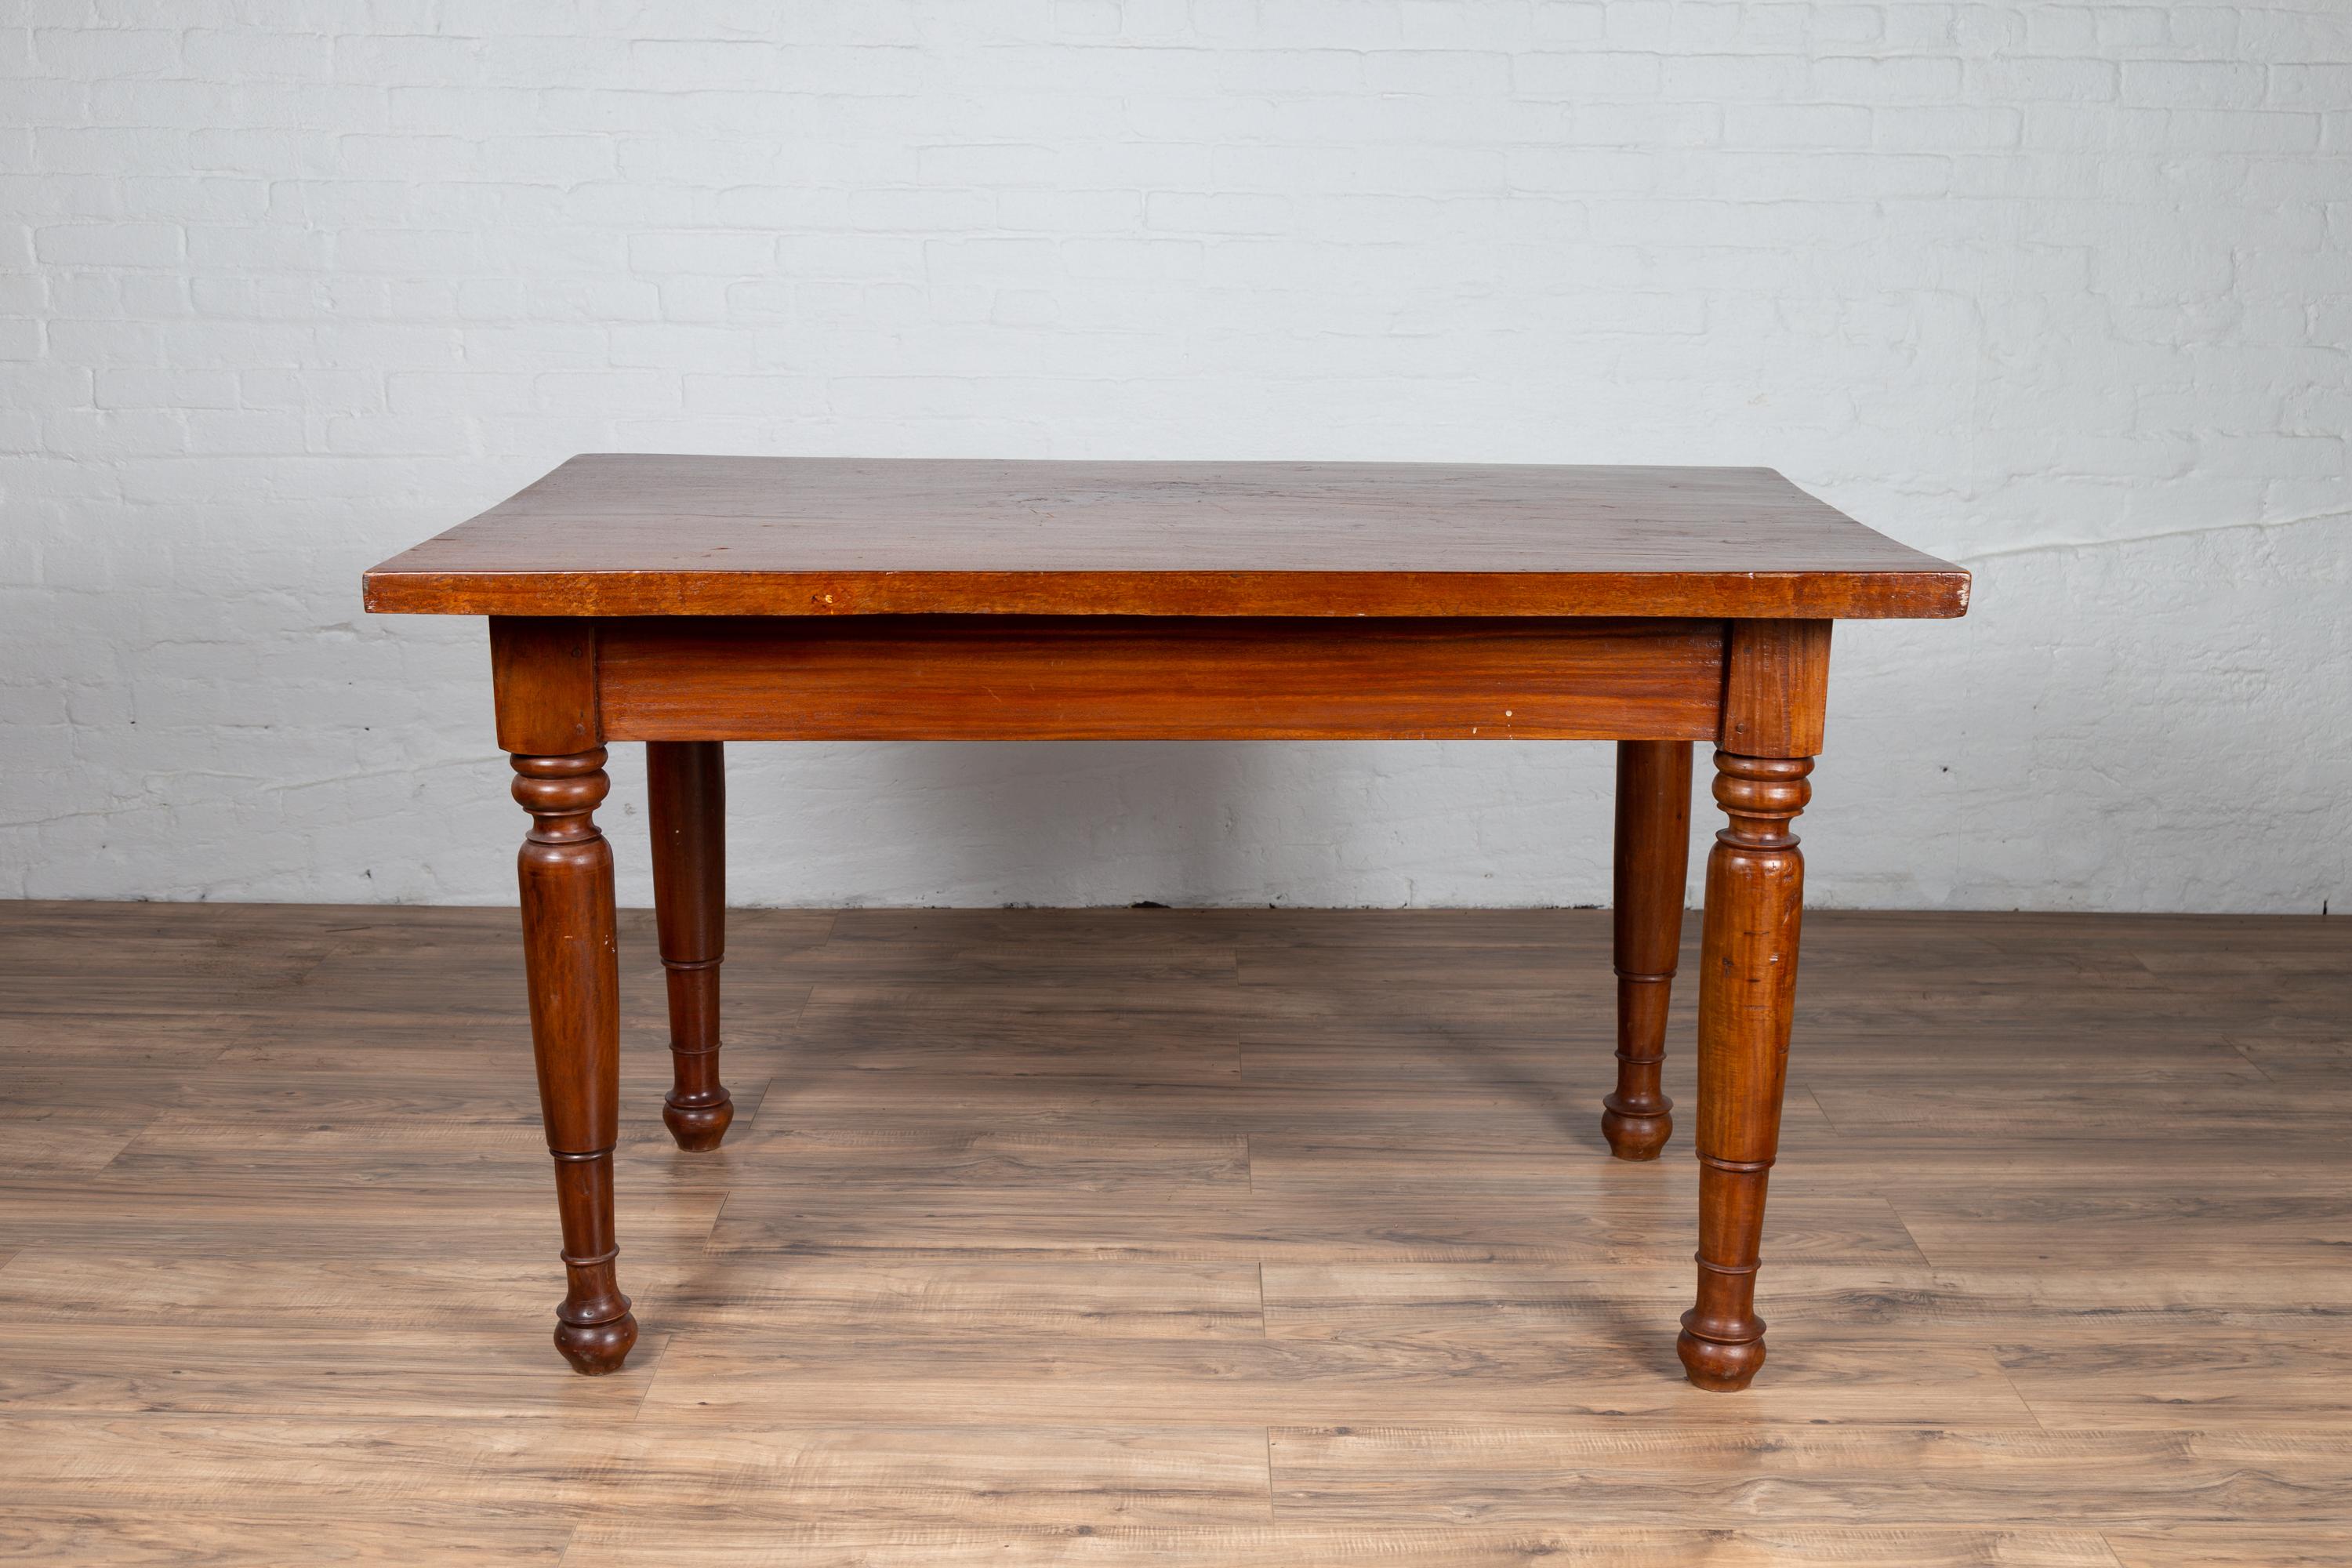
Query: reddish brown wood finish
543,677
566,873
1776,688
1653,865
687,784
907,678
690,601
1774,698
640,535
1748,977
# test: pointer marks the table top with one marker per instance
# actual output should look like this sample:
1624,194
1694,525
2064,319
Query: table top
632,534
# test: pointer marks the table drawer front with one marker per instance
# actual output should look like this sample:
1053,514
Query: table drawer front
1000,678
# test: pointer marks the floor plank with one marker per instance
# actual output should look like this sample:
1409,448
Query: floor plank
1739,1471
630,1544
1138,1236
2234,1545
776,1474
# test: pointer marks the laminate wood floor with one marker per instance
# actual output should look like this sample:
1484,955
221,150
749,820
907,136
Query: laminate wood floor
1117,1237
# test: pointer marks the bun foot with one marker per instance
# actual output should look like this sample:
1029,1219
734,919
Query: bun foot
595,1349
1634,1135
1717,1366
698,1129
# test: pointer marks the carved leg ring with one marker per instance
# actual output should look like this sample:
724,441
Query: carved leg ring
570,957
689,789
1748,977
1654,782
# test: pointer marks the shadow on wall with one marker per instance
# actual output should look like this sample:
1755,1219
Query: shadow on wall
1382,824
1060,823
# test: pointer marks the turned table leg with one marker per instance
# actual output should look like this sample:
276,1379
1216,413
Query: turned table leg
569,955
1654,786
1746,991
688,788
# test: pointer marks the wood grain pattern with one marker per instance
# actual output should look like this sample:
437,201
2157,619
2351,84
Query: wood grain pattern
1470,1546
933,1305
622,534
1113,678
1920,1475
1776,689
543,681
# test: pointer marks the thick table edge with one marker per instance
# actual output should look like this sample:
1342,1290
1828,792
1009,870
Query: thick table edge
1930,594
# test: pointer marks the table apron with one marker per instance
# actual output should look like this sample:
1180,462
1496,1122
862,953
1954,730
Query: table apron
1089,678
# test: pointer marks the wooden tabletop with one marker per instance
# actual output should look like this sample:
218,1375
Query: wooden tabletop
631,534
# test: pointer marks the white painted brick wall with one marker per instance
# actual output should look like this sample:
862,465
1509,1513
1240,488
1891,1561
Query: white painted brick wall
2058,289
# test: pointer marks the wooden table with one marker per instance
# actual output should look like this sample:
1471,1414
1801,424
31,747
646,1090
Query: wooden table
687,602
